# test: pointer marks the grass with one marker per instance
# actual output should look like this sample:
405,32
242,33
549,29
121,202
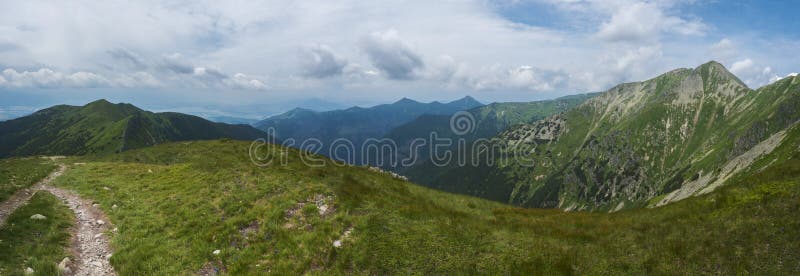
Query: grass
178,203
20,173
38,244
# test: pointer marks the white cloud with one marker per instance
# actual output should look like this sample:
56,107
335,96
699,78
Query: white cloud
752,73
644,21
47,78
742,66
361,47
723,50
245,82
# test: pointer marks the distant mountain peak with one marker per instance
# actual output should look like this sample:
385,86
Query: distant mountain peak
100,102
467,100
718,71
300,109
405,100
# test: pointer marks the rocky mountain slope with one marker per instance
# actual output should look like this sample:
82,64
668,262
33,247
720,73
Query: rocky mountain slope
645,143
480,123
103,127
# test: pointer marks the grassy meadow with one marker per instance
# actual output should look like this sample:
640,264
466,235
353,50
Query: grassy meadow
176,204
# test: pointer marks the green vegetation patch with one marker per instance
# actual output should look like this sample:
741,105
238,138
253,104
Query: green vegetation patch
20,173
39,244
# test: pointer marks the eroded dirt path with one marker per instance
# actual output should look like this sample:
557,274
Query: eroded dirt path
90,245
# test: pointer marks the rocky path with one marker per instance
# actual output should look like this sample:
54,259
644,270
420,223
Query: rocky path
90,245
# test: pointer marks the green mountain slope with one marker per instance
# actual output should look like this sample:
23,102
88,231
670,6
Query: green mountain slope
485,122
653,142
178,203
355,124
103,127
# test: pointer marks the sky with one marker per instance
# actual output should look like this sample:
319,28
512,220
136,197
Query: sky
258,58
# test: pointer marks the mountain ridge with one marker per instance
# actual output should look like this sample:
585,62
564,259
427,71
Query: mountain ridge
103,127
355,124
638,141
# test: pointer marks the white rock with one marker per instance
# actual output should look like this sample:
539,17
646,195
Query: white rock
114,206
98,235
216,252
38,217
64,266
29,271
337,243
100,222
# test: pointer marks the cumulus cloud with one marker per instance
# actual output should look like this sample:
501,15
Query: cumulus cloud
245,82
590,46
752,73
176,70
320,61
200,77
47,78
642,21
460,75
392,55
723,50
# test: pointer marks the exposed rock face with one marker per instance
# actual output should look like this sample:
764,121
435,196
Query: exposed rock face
542,131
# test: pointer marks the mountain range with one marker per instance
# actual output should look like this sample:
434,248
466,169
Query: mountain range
699,173
355,124
103,127
639,144
482,122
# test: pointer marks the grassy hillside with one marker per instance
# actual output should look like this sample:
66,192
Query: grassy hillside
680,134
103,127
177,203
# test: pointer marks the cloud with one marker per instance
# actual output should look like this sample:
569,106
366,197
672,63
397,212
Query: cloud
752,73
391,55
245,82
644,21
176,63
175,70
349,49
127,59
742,66
460,75
201,77
320,61
47,78
723,50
